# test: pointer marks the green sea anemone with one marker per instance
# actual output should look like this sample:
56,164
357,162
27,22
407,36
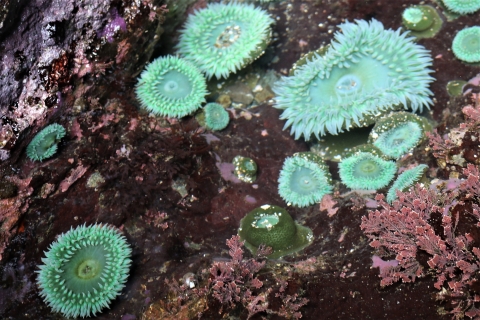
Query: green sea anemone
84,270
365,72
466,44
398,133
304,179
171,87
216,117
422,21
455,87
245,169
405,180
462,6
44,144
366,171
274,227
223,38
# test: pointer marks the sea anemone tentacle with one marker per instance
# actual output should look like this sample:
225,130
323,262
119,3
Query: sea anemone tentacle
405,180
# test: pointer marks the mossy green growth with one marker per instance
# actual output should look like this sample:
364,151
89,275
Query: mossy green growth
245,169
398,133
274,227
44,144
422,21
466,45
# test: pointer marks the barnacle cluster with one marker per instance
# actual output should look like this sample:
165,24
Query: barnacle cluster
274,227
84,270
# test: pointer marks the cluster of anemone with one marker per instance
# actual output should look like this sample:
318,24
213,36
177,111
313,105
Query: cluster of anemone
84,270
423,21
462,6
216,117
366,71
222,38
398,133
366,169
171,87
466,44
44,144
304,180
273,227
405,180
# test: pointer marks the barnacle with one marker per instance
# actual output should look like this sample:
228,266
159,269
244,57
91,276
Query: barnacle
405,180
223,38
466,44
44,144
398,133
84,270
216,117
366,171
274,227
365,72
172,87
304,179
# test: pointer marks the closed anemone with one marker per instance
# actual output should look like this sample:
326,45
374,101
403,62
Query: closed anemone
222,38
462,6
422,21
44,144
171,87
304,180
366,71
466,44
405,180
84,270
216,117
274,227
366,171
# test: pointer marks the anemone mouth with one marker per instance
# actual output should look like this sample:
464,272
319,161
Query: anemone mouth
366,71
83,272
303,181
266,221
174,85
228,36
413,15
366,171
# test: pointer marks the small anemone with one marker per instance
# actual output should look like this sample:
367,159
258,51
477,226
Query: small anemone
84,270
304,179
245,169
171,87
462,6
44,144
223,38
466,44
216,117
274,227
366,171
366,71
422,21
398,133
405,180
